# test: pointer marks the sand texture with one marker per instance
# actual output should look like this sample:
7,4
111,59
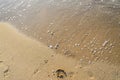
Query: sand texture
23,58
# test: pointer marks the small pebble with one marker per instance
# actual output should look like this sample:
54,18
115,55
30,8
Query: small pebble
4,68
56,46
48,31
1,61
51,33
105,43
50,46
46,61
89,62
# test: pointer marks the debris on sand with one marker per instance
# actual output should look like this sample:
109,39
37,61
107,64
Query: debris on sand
46,61
1,61
50,32
61,73
36,71
56,46
76,44
105,43
50,46
4,68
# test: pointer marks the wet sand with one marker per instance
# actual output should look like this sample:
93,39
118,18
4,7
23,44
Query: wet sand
83,34
24,58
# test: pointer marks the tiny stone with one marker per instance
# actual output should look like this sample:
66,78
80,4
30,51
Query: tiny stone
6,70
94,51
81,60
48,31
89,62
56,46
51,33
50,46
113,46
46,61
96,58
1,61
77,44
105,43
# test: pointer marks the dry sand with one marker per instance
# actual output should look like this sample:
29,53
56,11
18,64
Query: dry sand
23,58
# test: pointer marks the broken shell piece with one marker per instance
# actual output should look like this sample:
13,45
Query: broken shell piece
89,62
48,31
77,44
4,68
46,61
105,43
1,61
50,46
61,73
56,46
96,58
51,33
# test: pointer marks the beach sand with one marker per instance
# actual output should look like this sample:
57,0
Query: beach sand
24,58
